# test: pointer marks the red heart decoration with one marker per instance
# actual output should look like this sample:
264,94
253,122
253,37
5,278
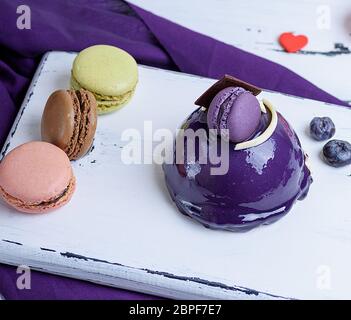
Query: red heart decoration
292,43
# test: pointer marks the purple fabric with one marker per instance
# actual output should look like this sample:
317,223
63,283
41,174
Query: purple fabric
199,54
50,287
74,25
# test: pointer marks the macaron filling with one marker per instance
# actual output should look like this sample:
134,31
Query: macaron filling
105,103
118,102
40,205
77,119
84,124
223,113
80,99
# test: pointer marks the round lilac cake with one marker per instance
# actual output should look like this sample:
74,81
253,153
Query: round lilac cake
260,186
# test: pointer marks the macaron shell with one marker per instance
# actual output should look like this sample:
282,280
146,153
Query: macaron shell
87,125
105,99
35,172
69,121
244,117
106,70
40,208
104,107
220,98
78,118
60,120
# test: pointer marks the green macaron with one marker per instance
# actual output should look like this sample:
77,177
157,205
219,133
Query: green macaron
110,73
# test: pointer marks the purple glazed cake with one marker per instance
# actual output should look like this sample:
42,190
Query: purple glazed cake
266,172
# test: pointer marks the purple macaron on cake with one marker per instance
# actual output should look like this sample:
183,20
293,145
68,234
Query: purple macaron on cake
266,171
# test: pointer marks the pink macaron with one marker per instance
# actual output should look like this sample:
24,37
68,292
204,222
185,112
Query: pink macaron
36,177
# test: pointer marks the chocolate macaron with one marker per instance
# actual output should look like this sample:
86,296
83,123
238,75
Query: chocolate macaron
69,121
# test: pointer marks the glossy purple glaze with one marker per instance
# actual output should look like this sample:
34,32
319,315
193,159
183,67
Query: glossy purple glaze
261,185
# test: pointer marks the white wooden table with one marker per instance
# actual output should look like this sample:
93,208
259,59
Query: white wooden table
122,229
255,25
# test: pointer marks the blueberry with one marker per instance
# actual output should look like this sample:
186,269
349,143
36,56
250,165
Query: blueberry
337,153
322,128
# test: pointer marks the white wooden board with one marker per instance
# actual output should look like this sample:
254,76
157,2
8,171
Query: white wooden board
255,25
121,228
